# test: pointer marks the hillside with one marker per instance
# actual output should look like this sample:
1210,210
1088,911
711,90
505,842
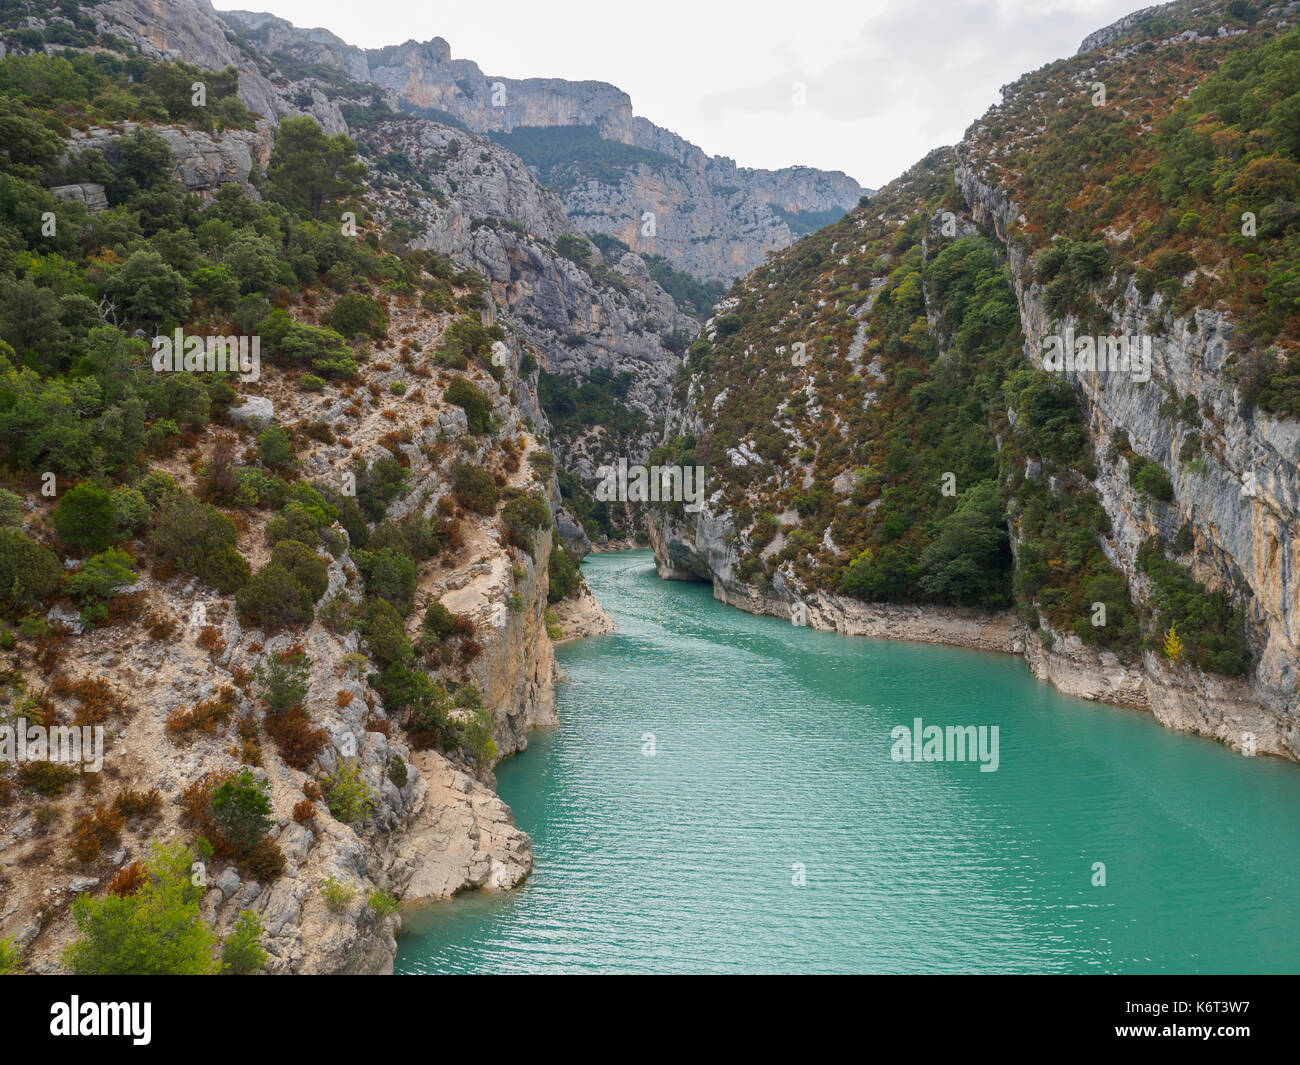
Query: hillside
277,530
888,452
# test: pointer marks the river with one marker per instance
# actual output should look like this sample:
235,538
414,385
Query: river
721,796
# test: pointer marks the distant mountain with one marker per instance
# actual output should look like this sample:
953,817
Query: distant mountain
611,168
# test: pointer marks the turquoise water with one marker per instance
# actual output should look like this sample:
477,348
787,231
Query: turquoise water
772,747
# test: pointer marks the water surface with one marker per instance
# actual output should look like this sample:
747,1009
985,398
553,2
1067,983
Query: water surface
771,831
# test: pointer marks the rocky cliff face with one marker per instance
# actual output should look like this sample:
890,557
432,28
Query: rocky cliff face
712,218
1242,506
1230,514
191,30
578,312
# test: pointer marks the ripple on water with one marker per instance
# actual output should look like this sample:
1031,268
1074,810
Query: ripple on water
772,755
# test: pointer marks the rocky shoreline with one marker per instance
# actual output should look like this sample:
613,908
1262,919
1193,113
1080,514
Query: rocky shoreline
1180,698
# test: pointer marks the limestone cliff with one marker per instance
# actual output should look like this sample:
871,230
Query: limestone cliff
712,218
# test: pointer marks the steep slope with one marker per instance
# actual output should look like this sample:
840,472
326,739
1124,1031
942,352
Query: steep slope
917,455
316,591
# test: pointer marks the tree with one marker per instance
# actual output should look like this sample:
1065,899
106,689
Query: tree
158,931
85,519
274,599
1173,645
149,290
470,398
28,571
242,807
356,315
968,562
200,540
309,170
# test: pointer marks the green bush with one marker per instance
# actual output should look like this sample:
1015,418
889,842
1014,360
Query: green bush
389,575
200,540
356,315
157,931
475,489
241,806
523,516
242,951
306,567
336,894
85,519
273,599
439,622
470,398
282,680
382,904
102,575
28,571
346,794
385,633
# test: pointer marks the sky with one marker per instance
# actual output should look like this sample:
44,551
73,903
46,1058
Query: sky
863,86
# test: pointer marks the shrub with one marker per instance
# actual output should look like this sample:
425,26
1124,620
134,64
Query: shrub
523,516
346,794
282,679
242,952
356,315
385,633
11,508
273,599
274,448
95,831
130,510
306,567
265,860
1150,479
200,540
295,738
127,880
439,622
336,894
397,771
475,489
205,716
563,574
133,804
473,401
85,519
46,778
382,904
241,807
390,575
304,812
29,572
102,575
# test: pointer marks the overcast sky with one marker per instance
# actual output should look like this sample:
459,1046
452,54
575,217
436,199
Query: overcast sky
883,81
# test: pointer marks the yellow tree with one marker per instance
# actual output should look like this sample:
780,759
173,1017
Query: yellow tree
1173,645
